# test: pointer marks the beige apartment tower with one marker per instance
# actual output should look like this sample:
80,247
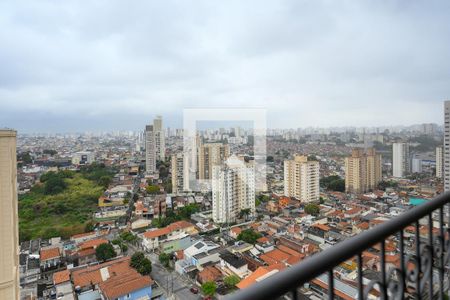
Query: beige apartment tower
362,170
180,173
301,178
9,236
439,162
209,155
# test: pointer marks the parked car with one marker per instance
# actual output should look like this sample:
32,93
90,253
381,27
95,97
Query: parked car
194,290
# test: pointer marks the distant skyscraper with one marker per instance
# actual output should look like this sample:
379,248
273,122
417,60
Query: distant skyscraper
180,173
400,159
439,162
362,170
301,178
447,146
160,139
155,144
9,240
150,153
233,189
209,155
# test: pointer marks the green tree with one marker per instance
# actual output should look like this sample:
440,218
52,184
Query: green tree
104,252
231,281
209,288
152,189
141,263
89,227
333,183
164,259
244,213
312,209
104,181
249,235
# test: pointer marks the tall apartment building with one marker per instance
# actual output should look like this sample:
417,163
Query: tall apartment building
155,144
9,235
362,170
439,162
401,162
180,173
301,178
447,145
150,153
210,155
233,189
160,139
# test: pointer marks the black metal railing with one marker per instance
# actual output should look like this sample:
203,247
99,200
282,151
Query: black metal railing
422,273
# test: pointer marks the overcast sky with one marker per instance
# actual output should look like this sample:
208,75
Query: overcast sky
99,65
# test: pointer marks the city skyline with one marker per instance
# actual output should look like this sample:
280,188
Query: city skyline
313,63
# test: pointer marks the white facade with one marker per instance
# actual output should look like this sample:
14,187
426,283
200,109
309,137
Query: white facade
301,179
83,158
439,162
160,139
233,189
447,146
400,159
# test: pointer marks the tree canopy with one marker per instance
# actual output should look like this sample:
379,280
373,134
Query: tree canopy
231,280
104,252
141,263
249,235
333,183
209,288
312,209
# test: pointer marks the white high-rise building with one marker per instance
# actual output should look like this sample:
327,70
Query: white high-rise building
180,173
9,221
301,179
447,145
439,162
233,189
160,138
155,144
400,159
150,153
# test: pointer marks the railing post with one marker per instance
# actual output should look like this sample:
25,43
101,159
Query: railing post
330,284
418,292
430,242
442,249
383,269
403,267
360,278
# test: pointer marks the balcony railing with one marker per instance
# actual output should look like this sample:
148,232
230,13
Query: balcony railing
423,271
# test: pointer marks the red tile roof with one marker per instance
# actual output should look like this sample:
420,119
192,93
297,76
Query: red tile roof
51,253
60,277
92,243
124,284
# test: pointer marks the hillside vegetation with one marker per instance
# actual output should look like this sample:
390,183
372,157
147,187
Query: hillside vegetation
62,204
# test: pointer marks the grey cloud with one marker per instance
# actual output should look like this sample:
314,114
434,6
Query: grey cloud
310,63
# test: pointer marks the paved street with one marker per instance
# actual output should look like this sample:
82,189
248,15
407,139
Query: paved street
173,284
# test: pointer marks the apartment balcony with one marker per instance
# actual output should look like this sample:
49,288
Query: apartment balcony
422,238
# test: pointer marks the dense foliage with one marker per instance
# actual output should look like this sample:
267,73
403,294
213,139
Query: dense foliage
141,263
231,280
249,235
105,251
312,209
164,259
183,213
61,205
209,288
333,183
